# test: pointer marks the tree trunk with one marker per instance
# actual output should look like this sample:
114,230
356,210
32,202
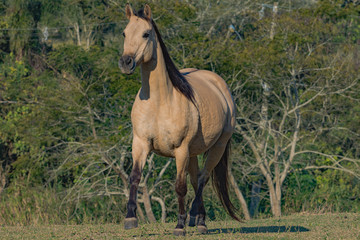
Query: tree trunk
163,208
273,24
140,212
240,196
77,30
275,201
147,205
255,199
2,179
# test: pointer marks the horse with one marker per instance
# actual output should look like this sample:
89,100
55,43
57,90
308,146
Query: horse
178,114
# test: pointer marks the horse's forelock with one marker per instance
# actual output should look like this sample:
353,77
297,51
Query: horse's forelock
141,14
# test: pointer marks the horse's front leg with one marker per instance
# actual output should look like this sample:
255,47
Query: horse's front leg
140,151
182,159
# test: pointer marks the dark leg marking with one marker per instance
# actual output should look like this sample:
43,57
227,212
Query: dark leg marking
181,190
131,220
197,203
201,219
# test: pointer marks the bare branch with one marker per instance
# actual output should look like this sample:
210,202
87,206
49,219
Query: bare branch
157,181
163,207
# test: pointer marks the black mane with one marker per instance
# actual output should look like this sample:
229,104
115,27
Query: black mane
177,79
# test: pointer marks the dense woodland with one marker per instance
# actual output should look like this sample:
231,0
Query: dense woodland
65,131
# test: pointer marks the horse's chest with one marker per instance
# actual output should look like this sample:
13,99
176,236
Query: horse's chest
168,137
164,134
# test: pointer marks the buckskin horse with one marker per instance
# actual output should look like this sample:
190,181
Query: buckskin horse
178,114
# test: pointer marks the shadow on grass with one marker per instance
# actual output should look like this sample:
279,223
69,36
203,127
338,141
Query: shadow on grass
266,229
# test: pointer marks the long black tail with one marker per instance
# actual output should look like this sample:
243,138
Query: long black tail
221,183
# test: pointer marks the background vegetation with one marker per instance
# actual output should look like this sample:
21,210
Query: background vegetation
65,129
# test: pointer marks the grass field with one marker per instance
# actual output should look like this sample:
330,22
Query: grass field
299,226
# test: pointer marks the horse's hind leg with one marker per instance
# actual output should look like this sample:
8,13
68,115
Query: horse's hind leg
193,169
213,157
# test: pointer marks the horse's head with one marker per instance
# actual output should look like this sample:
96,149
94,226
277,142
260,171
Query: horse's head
139,39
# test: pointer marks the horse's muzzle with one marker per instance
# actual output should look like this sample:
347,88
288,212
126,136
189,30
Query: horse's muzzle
127,64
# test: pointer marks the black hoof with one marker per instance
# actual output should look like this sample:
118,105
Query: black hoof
202,229
179,232
130,223
192,221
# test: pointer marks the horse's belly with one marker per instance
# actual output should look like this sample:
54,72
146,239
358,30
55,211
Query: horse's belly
213,123
203,141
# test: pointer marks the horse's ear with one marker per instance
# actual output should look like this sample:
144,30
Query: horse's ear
128,11
147,11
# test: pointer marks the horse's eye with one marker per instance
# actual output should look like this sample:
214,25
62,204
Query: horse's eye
146,35
123,34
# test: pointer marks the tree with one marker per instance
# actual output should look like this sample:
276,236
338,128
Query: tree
284,117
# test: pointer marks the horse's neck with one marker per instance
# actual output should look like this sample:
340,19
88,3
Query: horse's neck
156,84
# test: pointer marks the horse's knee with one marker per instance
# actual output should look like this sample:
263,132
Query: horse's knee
135,176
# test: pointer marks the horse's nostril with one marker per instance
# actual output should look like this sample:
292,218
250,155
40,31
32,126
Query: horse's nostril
128,61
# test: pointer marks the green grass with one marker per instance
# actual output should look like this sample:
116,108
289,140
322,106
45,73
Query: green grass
298,226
